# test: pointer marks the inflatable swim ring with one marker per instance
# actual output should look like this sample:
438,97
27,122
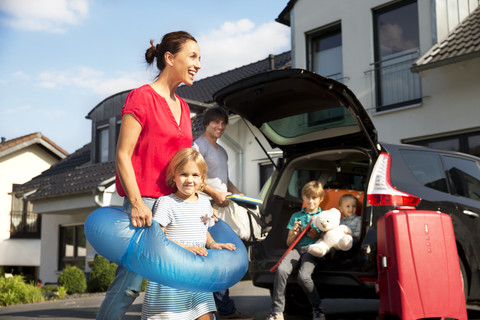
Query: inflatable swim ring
149,253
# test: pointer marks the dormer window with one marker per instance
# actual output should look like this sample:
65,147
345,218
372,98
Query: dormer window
102,143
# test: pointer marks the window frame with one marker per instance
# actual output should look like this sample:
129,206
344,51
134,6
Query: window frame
77,260
379,67
324,32
22,208
463,141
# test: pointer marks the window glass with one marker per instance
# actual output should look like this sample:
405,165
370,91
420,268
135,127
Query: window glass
103,144
397,30
72,247
465,176
447,144
464,142
327,55
474,145
297,125
69,242
396,49
266,170
427,168
299,179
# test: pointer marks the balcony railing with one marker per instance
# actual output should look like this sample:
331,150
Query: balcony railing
24,224
396,85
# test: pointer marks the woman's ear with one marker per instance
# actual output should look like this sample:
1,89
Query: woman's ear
169,58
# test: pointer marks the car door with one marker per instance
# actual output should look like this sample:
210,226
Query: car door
464,178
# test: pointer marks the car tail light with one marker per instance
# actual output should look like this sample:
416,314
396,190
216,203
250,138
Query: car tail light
381,192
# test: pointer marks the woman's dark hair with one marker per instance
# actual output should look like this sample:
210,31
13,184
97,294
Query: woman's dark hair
171,42
214,114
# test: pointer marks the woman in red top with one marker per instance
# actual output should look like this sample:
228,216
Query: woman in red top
155,124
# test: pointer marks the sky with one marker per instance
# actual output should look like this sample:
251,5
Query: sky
60,58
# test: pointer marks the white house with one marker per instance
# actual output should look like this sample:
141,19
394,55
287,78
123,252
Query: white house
20,160
414,64
65,194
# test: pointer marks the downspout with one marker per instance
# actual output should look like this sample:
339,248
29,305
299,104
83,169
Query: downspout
238,149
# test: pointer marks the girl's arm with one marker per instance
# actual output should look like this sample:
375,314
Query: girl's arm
211,244
196,250
130,130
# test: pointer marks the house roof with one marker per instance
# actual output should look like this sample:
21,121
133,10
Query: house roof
10,146
75,174
284,16
461,44
72,175
203,89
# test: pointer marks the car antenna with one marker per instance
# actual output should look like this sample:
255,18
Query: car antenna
260,144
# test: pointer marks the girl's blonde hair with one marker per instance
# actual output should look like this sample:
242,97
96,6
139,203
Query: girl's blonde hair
180,159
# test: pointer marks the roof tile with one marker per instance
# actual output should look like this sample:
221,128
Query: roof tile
457,46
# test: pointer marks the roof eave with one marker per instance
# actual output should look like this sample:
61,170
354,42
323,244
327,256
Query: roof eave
284,16
444,62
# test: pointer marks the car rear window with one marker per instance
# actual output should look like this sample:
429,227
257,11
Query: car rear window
301,124
427,168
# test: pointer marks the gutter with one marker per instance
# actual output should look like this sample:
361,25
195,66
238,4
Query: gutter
100,189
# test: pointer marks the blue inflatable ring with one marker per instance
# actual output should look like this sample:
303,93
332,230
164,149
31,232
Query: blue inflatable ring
147,252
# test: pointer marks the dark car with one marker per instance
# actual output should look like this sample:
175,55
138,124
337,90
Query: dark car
326,135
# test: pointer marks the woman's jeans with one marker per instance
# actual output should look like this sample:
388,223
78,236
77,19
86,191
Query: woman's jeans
126,286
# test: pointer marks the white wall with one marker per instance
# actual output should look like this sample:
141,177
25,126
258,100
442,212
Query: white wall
449,86
451,103
50,233
19,167
244,173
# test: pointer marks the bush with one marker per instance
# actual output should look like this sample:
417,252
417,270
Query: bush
73,279
14,290
102,275
51,292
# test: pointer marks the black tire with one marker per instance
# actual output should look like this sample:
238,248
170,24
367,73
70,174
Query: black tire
296,303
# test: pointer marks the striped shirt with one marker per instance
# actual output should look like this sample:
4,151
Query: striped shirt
186,223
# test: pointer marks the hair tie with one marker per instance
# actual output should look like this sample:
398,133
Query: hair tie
153,47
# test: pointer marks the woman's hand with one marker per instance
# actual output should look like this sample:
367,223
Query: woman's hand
197,250
141,215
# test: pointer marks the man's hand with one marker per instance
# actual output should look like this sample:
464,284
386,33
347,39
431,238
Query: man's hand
220,198
141,215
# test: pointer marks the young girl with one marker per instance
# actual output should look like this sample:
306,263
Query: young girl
184,216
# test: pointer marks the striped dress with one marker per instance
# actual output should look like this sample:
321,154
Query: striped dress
186,223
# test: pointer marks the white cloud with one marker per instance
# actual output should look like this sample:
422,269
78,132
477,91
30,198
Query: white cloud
88,78
239,43
20,109
44,15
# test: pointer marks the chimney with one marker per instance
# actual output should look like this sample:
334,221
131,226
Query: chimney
3,140
271,58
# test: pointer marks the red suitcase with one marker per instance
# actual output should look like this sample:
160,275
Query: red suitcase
418,270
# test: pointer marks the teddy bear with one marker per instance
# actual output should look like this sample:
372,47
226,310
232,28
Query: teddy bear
334,235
